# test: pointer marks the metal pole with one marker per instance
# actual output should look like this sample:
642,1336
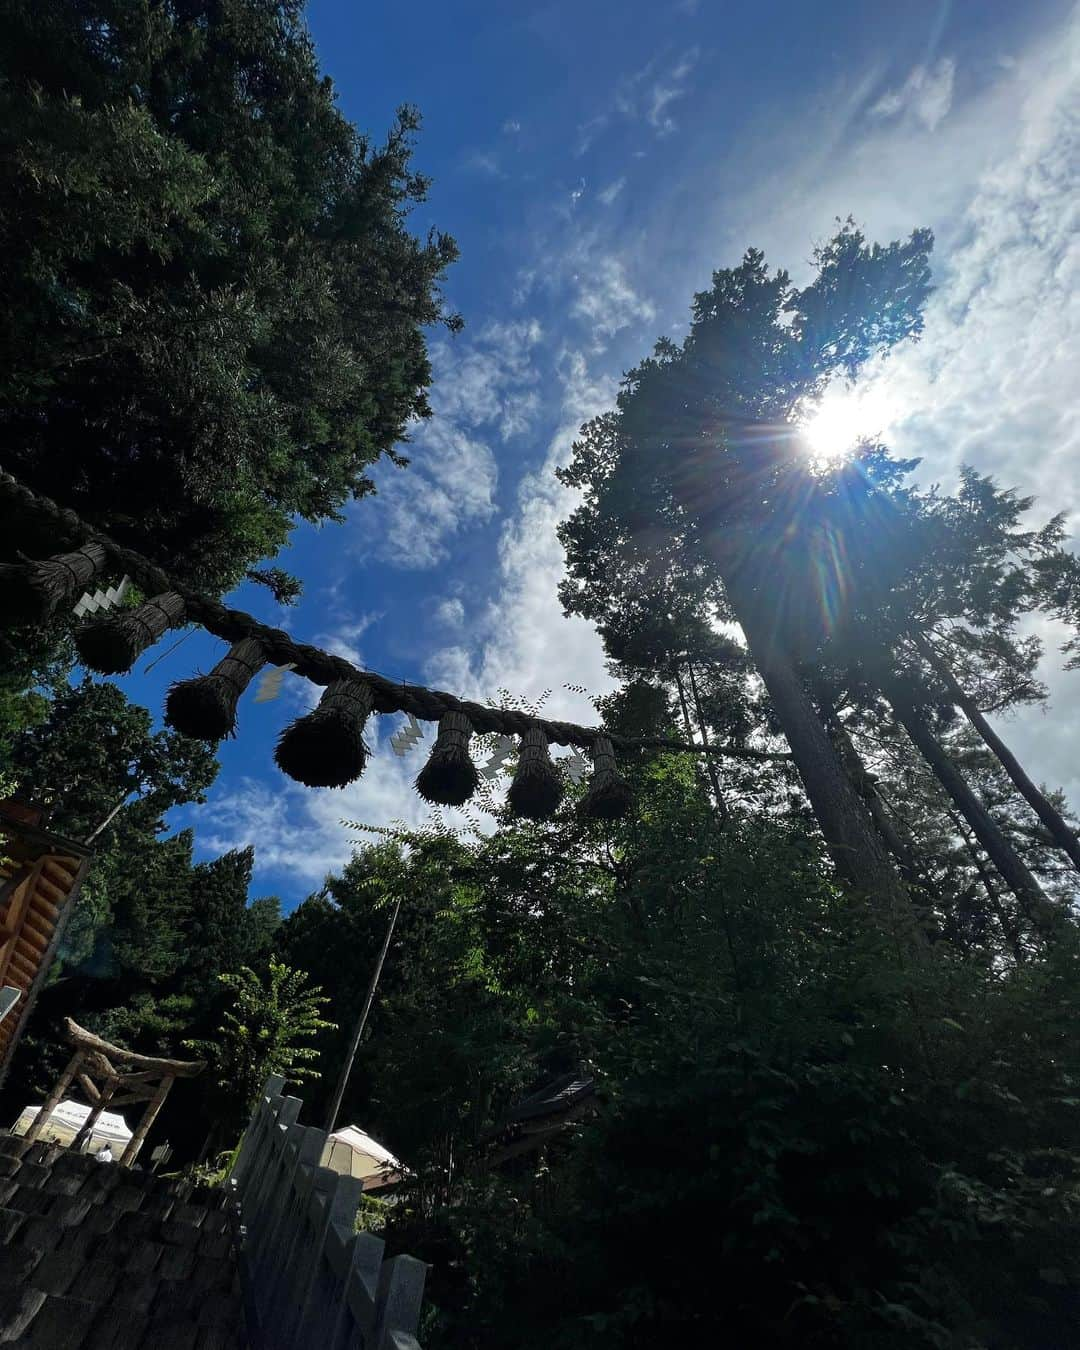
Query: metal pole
358,1031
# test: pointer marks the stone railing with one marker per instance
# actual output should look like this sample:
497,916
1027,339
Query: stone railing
309,1279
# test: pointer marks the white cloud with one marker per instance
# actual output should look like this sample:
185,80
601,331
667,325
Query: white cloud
450,612
605,300
299,832
483,162
665,91
422,508
926,95
485,380
511,126
341,639
645,96
484,391
993,382
527,645
607,195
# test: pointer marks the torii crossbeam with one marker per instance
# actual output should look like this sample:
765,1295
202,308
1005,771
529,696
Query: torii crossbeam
108,1075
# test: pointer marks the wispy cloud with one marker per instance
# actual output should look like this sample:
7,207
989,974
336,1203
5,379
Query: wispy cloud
647,96
526,644
607,195
299,832
450,612
993,381
485,395
452,487
341,638
926,95
667,90
486,163
604,298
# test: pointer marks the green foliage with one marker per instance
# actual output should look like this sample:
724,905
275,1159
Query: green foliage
96,750
221,931
264,1022
698,464
371,1214
803,1135
215,304
152,931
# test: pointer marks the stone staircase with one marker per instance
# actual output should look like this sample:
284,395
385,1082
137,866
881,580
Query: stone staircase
98,1257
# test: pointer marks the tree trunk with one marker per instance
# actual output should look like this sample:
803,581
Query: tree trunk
854,844
1013,870
1008,927
1062,836
864,784
710,763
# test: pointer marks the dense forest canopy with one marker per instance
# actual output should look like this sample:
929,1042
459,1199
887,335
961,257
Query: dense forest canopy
820,983
214,304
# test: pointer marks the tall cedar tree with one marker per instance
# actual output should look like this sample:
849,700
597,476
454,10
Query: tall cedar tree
912,566
698,472
214,307
697,461
947,599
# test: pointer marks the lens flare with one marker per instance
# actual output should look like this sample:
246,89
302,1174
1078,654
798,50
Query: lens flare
842,418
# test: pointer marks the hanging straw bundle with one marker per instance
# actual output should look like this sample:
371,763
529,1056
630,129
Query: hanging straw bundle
537,789
326,748
205,706
113,645
609,796
31,591
449,778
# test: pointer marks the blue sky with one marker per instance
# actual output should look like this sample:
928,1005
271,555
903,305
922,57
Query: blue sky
595,162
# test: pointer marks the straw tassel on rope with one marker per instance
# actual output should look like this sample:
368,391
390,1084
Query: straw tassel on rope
31,591
537,789
326,748
113,645
449,778
609,796
205,706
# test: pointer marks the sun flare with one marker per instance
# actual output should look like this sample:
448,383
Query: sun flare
840,420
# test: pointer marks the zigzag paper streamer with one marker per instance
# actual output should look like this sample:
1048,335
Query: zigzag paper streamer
499,758
403,740
270,683
576,764
90,604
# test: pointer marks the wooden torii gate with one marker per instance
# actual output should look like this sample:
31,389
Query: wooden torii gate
111,1076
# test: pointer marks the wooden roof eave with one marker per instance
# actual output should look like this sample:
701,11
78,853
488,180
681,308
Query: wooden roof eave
47,956
49,841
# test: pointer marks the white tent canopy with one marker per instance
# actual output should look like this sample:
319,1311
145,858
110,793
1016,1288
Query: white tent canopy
64,1122
355,1154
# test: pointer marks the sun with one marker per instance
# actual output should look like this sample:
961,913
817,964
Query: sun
840,419
831,429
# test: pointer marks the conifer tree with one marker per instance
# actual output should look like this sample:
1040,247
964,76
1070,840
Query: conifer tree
215,307
697,465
